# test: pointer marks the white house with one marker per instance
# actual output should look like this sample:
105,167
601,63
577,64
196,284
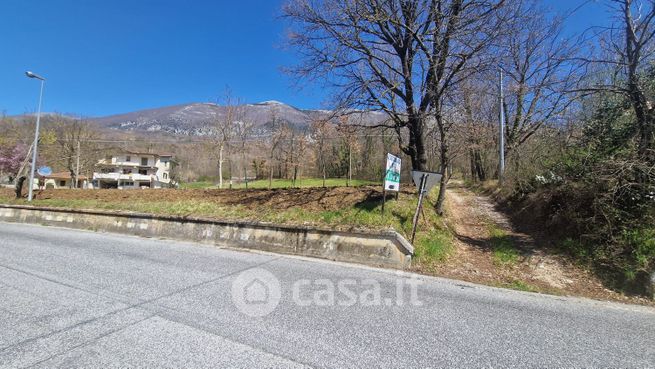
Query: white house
133,170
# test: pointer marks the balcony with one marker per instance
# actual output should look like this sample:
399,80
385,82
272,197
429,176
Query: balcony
123,177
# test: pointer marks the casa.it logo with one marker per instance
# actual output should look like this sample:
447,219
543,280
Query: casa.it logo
256,292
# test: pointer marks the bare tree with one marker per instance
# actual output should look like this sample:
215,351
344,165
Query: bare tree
321,130
76,150
627,53
474,134
275,142
400,57
300,156
539,72
348,134
224,130
243,128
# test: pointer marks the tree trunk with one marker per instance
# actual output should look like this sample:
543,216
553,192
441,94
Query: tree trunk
77,164
442,194
73,183
19,186
350,164
229,164
245,165
445,162
220,167
473,168
479,169
416,147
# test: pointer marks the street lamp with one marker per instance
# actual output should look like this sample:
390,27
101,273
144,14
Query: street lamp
36,132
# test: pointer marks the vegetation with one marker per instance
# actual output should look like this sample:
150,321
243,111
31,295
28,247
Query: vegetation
413,58
580,154
579,134
504,251
433,241
520,286
592,182
282,183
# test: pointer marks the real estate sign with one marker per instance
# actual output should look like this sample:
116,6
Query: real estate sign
392,174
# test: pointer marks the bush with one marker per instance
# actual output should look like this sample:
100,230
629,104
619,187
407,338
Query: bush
599,195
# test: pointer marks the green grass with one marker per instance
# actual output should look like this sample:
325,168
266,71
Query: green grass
280,183
196,185
519,286
434,242
367,215
504,251
435,245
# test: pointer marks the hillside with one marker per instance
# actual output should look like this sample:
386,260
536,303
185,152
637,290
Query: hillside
195,119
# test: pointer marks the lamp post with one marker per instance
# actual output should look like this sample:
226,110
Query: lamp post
36,133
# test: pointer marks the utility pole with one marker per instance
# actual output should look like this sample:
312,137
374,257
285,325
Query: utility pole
77,165
350,163
501,137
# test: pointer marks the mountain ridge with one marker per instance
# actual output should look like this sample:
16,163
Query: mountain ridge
197,118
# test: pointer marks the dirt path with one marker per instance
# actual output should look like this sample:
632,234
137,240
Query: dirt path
481,229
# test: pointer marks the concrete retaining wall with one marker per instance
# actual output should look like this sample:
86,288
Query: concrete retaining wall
387,249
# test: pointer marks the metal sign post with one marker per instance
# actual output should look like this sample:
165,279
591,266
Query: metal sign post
424,181
421,188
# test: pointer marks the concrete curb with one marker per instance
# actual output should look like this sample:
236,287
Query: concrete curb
388,248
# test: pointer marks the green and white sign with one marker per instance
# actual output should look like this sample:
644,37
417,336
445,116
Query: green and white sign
392,174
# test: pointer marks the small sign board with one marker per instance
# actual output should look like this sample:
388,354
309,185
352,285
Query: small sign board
431,179
44,171
392,173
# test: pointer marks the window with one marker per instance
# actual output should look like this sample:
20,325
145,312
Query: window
127,171
165,175
144,161
62,183
143,172
127,184
128,158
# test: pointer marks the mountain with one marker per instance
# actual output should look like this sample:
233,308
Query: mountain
196,119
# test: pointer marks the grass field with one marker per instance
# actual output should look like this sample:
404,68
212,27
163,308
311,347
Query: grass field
333,207
280,183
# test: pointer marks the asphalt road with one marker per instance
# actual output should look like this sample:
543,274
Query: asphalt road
81,299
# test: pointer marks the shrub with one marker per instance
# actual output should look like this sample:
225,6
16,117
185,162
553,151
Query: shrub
599,195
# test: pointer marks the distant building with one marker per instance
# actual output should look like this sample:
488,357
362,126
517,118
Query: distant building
131,169
61,180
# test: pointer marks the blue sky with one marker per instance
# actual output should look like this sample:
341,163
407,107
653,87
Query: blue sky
105,57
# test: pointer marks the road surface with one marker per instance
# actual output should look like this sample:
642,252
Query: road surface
82,299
